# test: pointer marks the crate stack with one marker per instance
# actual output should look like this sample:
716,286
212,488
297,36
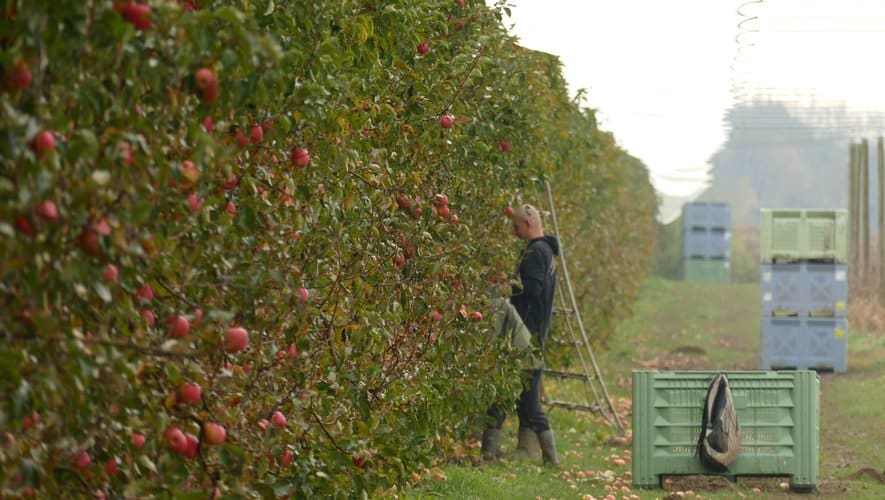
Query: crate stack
804,289
706,242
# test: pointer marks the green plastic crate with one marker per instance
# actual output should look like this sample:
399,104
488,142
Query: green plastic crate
802,235
710,271
778,413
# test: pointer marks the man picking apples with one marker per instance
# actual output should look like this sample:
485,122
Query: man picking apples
533,302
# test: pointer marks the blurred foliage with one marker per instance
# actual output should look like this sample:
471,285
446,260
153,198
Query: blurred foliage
187,189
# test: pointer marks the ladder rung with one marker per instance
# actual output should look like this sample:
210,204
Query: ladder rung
575,406
558,309
561,374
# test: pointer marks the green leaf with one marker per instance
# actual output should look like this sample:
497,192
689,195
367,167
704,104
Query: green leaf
141,212
10,361
102,291
147,463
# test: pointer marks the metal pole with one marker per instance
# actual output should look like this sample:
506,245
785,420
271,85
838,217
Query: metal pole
880,191
852,208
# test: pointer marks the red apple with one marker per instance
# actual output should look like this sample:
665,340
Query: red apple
236,339
102,227
189,5
231,208
125,150
42,143
111,466
208,124
505,147
453,219
399,260
286,458
175,440
256,134
146,293
445,121
210,93
358,461
198,316
110,273
300,157
403,201
476,316
189,393
138,440
24,225
436,315
459,3
19,76
149,317
293,352
137,14
214,433
193,444
48,210
204,78
443,212
190,171
278,420
178,325
423,48
193,202
263,423
232,182
241,139
89,243
441,199
303,295
81,460
508,211
417,213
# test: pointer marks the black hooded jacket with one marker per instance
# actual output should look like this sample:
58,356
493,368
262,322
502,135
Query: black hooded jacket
537,271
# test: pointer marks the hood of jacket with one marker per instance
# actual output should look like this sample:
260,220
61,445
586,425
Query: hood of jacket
550,240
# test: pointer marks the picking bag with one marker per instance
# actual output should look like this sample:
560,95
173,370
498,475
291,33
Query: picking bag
719,441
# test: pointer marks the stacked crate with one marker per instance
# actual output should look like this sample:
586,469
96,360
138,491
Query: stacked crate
804,289
706,242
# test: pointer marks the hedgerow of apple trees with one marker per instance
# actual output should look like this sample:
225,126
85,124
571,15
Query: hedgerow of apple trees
245,245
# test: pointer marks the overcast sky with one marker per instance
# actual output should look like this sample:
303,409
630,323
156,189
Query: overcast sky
663,74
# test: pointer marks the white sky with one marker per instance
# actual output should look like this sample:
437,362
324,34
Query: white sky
662,74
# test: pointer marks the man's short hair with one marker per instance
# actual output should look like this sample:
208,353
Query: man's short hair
529,213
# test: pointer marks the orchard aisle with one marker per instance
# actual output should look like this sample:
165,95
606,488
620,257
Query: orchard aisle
688,326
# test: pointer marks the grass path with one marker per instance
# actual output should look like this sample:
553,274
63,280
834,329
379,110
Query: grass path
686,326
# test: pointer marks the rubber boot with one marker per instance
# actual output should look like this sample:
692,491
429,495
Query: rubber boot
527,445
491,444
548,448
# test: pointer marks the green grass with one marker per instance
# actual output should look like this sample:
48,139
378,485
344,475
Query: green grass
687,326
